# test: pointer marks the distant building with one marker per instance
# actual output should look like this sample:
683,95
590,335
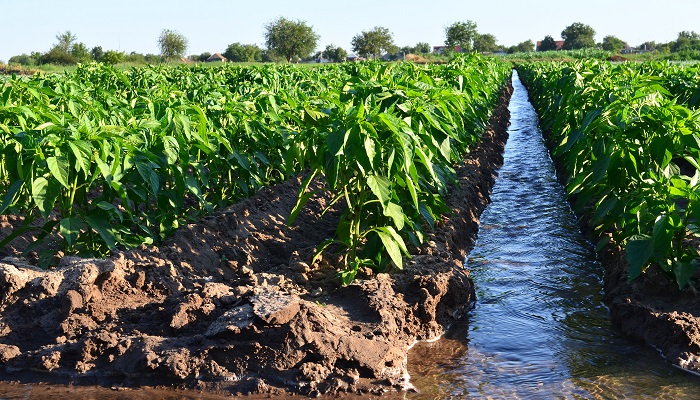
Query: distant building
627,49
354,57
559,43
442,49
217,57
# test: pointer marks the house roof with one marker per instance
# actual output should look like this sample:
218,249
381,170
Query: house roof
559,43
217,57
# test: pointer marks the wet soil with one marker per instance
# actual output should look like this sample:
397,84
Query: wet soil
233,304
652,309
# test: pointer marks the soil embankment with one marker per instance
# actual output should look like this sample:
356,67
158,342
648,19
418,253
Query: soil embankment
652,309
231,303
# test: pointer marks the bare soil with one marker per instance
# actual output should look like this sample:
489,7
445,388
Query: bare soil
232,304
652,309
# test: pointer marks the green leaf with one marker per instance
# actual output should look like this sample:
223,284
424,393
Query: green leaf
105,170
103,228
663,237
427,214
395,212
111,208
70,229
683,271
145,169
638,251
336,142
44,126
391,246
303,197
10,195
605,207
600,167
44,194
381,188
59,169
171,148
602,243
82,151
370,150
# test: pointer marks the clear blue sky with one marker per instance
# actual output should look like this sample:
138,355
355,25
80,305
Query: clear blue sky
210,25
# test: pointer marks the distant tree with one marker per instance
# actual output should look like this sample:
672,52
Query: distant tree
23,59
204,56
485,43
422,47
290,39
578,36
66,41
113,57
612,43
526,46
97,53
407,50
134,58
153,58
81,52
373,42
334,53
547,44
172,44
60,53
57,56
687,40
269,56
235,52
238,52
461,34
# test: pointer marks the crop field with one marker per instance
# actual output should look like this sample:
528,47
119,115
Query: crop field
101,158
627,136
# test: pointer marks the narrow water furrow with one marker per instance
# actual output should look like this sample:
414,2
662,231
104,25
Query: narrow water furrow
539,328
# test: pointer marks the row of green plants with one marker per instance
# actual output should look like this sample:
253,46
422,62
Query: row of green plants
102,158
629,141
559,55
683,81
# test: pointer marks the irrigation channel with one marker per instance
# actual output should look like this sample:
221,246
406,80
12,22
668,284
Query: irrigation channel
539,328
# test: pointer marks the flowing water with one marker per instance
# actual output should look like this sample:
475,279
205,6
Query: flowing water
539,328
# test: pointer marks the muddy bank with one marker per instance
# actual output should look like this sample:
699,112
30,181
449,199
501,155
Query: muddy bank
650,309
232,305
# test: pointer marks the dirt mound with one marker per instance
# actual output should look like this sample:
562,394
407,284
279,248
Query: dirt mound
233,304
416,59
617,58
652,309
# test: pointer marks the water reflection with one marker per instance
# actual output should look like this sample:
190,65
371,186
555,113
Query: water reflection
539,328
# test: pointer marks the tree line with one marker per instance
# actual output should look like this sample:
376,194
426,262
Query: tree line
295,40
581,36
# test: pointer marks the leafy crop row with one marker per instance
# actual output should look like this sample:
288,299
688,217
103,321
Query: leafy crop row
104,158
630,148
